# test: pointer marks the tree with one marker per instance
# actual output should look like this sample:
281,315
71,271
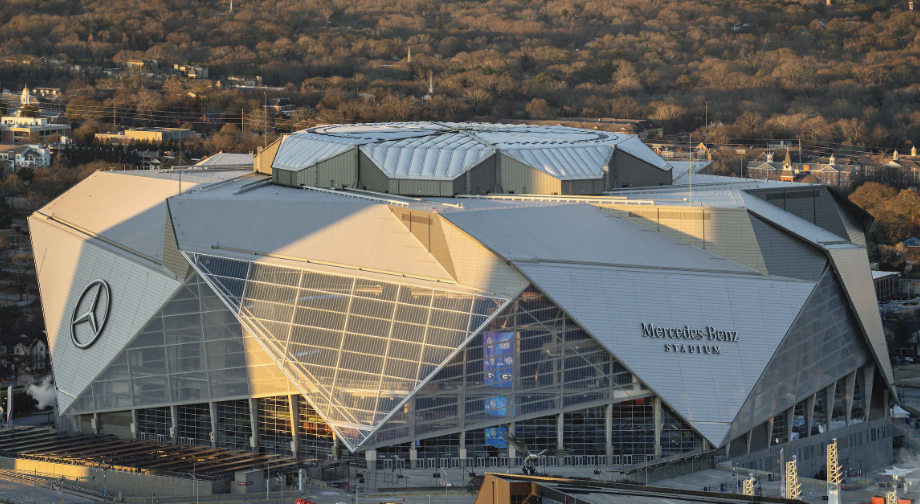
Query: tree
30,110
539,109
6,214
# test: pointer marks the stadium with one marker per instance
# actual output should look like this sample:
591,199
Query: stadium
407,294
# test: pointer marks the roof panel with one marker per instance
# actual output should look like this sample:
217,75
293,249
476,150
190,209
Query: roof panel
634,147
300,151
614,303
442,157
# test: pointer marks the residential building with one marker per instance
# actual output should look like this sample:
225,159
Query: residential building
17,155
244,80
886,284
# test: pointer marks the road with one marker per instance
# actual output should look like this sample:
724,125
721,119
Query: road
25,492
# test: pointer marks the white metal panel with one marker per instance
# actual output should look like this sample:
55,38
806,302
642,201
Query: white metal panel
442,157
128,210
582,233
66,262
795,225
565,163
227,159
634,147
339,230
612,303
301,150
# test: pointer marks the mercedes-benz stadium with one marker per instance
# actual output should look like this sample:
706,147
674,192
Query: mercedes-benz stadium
410,293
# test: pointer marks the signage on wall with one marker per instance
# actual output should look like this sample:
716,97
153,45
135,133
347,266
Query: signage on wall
244,483
689,337
90,314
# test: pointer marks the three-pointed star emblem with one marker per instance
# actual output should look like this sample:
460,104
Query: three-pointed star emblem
92,309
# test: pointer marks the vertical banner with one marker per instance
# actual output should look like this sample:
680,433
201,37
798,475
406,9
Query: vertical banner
497,366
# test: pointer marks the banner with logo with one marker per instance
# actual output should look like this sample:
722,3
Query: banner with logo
497,368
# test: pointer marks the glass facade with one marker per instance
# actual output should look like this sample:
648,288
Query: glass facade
153,424
315,436
357,347
529,362
819,417
780,429
194,424
275,432
676,435
839,412
799,425
583,432
234,428
858,413
192,350
634,428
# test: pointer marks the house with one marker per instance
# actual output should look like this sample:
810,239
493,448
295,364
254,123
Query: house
827,171
244,80
16,155
192,71
23,354
905,169
279,106
886,284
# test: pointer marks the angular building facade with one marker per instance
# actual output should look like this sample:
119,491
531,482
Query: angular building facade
232,309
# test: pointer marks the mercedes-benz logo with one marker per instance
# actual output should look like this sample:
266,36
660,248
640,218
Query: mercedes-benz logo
90,314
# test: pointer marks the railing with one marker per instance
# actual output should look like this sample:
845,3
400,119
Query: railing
54,480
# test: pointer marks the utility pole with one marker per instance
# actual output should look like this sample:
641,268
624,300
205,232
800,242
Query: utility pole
707,125
265,134
690,163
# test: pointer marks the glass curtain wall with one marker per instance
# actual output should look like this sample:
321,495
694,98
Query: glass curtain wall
153,424
799,425
234,428
275,433
858,413
780,429
583,432
316,438
839,413
530,361
194,424
634,428
819,418
192,350
357,346
676,435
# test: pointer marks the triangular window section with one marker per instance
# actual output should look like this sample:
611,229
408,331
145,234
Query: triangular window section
191,350
356,346
530,361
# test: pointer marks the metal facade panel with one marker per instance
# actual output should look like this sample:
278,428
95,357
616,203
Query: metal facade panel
301,150
852,266
791,223
854,230
786,255
599,237
441,157
574,162
192,350
824,344
519,178
338,171
636,148
701,385
338,232
172,259
66,263
370,175
478,267
125,209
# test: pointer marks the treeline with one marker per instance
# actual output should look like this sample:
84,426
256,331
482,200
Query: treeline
844,73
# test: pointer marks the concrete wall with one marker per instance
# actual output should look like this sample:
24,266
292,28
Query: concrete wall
369,175
117,424
130,484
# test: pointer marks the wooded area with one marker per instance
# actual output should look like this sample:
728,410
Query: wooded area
844,73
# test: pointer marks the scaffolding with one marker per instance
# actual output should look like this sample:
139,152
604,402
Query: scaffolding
793,488
748,486
833,474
